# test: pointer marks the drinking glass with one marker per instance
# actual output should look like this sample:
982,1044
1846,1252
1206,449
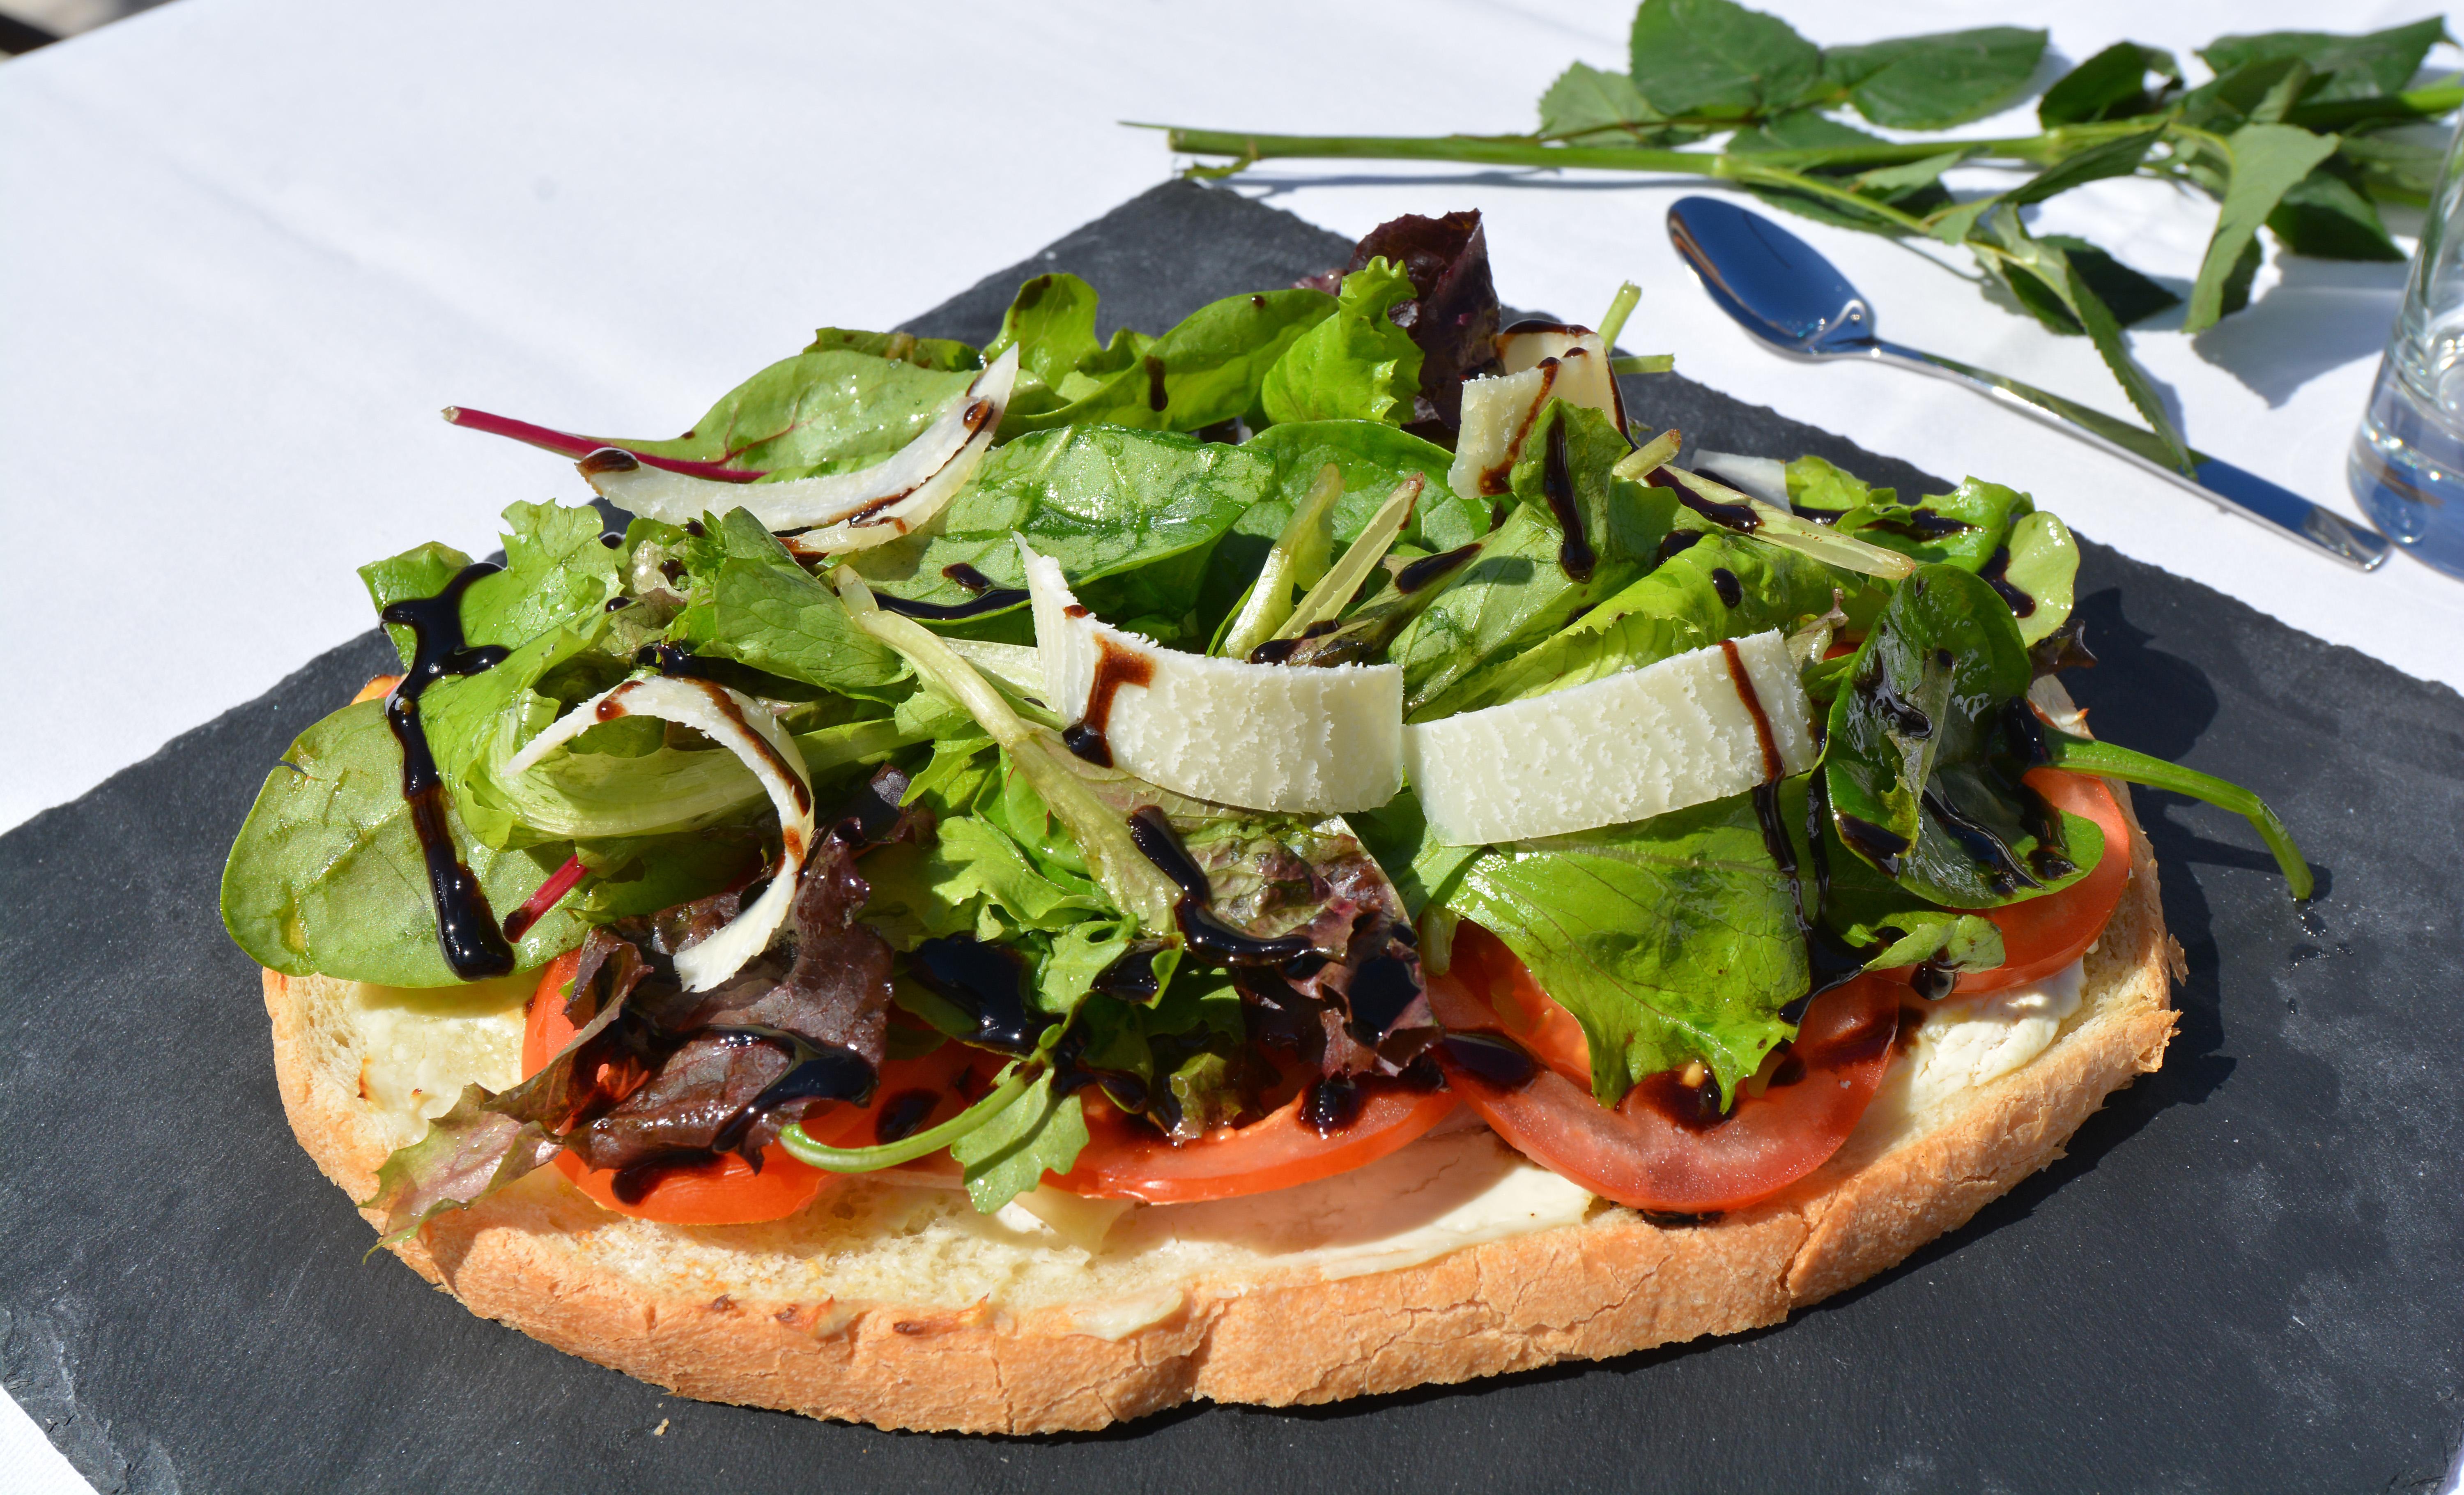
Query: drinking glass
2406,467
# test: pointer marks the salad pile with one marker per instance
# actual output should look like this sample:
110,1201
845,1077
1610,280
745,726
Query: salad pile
1186,766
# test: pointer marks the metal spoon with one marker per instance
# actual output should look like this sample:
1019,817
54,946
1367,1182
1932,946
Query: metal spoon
1782,290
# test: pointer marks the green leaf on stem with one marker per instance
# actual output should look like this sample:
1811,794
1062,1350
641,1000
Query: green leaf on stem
1935,81
2325,216
2267,161
1588,106
2345,66
2393,170
1717,59
2114,158
2111,85
1010,1153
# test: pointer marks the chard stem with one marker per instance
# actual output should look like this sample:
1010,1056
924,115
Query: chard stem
1621,306
2080,755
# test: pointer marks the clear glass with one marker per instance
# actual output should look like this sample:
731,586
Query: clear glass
2406,467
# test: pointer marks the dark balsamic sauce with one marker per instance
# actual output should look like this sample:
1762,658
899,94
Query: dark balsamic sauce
904,1114
1416,574
1114,667
1724,582
668,659
1932,980
1828,961
1331,1105
466,927
1157,397
1492,1058
1881,847
968,576
1694,1107
608,459
1679,1220
1498,479
1997,572
1208,933
988,983
2003,872
996,600
1752,699
2064,649
1922,524
1574,554
1674,543
1738,516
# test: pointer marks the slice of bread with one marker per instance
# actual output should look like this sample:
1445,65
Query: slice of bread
899,1305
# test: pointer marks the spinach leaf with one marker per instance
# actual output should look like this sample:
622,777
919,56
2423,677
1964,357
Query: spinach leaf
1716,59
327,876
1517,592
753,603
1922,773
829,411
2344,67
2111,85
1682,605
2267,162
939,353
1935,81
556,571
1669,939
1099,499
1356,364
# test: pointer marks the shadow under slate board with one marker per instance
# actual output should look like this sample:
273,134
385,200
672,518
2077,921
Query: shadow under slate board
2244,1276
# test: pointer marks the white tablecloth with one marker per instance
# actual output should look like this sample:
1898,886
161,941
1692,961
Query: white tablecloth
249,247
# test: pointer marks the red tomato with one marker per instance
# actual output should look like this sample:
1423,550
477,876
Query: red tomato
1651,1152
2041,936
728,1190
1125,1159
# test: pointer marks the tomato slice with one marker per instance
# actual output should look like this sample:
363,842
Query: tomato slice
2041,936
727,1190
1126,1160
1652,1152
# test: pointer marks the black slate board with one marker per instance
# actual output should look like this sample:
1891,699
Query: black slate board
2247,1275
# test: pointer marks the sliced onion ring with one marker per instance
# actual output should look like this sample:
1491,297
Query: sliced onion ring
929,468
752,733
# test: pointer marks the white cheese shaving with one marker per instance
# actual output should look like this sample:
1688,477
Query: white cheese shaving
866,507
744,728
1302,741
1677,733
1500,410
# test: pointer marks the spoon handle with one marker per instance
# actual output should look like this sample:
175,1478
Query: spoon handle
2221,483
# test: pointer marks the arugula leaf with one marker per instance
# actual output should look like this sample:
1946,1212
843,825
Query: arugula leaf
753,603
1355,365
1098,499
1923,780
1670,939
1718,60
1011,1151
2345,67
1935,81
2111,85
1516,592
828,412
327,876
2267,161
2325,216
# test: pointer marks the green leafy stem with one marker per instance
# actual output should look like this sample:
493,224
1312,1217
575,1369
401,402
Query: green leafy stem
908,1149
2080,755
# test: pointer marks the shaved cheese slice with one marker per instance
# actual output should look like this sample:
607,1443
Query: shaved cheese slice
1702,726
916,480
1303,740
752,733
1541,364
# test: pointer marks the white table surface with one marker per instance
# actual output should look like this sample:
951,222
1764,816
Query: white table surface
249,247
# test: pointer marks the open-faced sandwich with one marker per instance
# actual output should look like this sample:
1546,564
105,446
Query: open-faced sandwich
1291,859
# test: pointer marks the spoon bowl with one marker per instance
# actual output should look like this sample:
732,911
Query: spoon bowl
1781,288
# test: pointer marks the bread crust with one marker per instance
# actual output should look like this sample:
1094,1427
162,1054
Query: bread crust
1610,1286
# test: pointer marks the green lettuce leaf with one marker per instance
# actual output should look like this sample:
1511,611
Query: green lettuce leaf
1009,1154
556,571
1356,366
829,411
753,603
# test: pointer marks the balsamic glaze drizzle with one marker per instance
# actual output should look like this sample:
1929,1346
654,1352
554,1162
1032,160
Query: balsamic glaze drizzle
1737,517
466,926
1114,667
1574,554
995,599
1331,1104
1997,572
1724,582
1416,574
1492,1058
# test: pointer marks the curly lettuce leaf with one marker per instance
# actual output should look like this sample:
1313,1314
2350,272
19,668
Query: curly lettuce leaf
1355,365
